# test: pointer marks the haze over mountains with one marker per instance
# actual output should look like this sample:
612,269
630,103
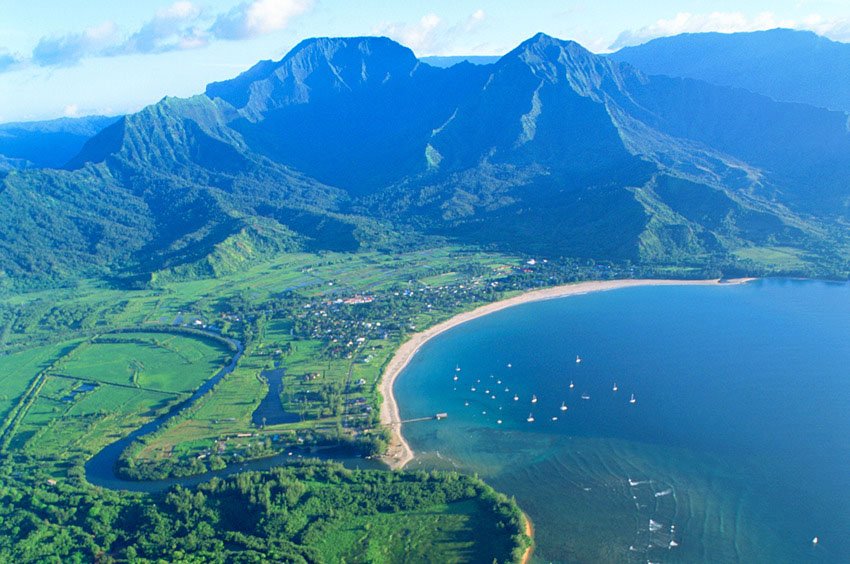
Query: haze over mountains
47,143
787,65
355,143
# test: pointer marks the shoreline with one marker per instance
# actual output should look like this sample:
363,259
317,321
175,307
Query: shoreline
529,532
399,452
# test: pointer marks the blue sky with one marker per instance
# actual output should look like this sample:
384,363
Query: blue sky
78,57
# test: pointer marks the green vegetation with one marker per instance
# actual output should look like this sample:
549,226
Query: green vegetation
183,235
85,366
302,513
74,398
146,360
330,321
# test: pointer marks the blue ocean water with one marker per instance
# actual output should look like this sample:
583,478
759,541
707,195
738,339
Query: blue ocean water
737,447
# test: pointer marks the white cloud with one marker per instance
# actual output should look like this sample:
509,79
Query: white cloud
68,49
419,36
172,28
684,22
837,29
8,61
179,26
252,19
431,35
71,110
179,10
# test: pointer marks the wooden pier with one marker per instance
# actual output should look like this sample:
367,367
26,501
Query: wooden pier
436,417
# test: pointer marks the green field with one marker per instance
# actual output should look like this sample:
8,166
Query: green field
17,371
779,258
64,402
151,361
56,428
457,532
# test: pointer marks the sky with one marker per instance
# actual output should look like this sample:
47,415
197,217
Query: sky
80,57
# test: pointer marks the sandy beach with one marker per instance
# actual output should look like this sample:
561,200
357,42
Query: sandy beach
529,531
399,452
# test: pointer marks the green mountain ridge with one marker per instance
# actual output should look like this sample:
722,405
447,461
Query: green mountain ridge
353,143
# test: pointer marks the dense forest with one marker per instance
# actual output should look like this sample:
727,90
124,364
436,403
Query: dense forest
284,515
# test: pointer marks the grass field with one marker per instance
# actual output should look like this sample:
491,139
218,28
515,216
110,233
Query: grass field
457,532
55,427
773,257
151,361
18,370
95,392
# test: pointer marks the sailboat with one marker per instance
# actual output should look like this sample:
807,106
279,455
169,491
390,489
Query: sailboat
457,368
632,399
533,398
572,385
455,378
578,359
563,406
615,388
585,396
530,418
516,397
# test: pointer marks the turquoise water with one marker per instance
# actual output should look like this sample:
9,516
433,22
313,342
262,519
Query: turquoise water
736,449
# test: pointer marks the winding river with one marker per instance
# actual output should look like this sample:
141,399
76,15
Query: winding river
100,469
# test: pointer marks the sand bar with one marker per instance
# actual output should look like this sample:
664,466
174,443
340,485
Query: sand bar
399,452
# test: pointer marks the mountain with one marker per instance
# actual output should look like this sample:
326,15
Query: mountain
47,144
450,61
350,143
784,64
353,112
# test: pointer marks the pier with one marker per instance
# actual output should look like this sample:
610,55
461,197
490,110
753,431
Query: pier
435,417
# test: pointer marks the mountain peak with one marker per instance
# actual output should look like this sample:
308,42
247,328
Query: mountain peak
316,65
541,40
555,60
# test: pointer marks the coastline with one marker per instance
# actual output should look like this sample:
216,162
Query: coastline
529,532
399,452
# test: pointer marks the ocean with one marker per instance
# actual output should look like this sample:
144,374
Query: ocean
735,449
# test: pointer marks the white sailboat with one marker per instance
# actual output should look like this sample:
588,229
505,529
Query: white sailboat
578,359
563,406
632,399
530,418
533,398
615,388
572,385
585,396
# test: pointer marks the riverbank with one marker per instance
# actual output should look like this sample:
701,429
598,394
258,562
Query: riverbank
399,452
